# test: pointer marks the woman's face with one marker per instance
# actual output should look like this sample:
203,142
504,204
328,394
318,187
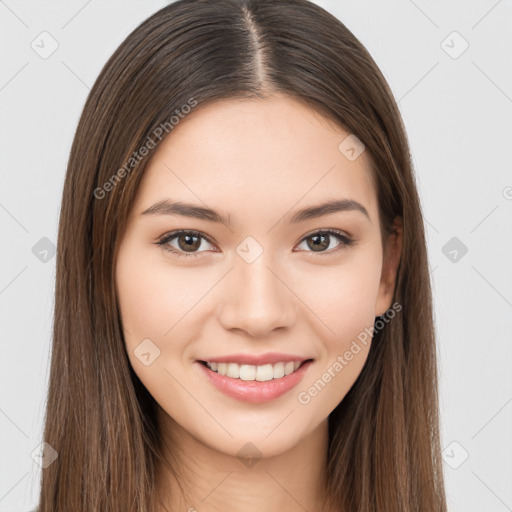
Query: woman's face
256,278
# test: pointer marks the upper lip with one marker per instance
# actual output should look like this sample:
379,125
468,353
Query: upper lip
257,360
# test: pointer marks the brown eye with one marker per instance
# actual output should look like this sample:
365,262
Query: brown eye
187,243
320,241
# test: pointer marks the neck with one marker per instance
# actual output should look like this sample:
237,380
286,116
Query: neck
204,479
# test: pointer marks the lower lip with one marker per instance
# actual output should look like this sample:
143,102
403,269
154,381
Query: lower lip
252,390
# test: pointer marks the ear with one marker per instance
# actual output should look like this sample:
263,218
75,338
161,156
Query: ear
391,259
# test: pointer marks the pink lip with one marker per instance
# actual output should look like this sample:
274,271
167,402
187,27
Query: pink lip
269,358
255,391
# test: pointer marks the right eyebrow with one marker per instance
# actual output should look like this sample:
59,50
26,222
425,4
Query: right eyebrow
167,207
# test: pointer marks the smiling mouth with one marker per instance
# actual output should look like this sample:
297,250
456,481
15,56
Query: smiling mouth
259,373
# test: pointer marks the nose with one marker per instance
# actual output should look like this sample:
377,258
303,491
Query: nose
257,299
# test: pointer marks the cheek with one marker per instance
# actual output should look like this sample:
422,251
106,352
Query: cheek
144,294
146,314
153,309
158,302
342,297
139,300
344,302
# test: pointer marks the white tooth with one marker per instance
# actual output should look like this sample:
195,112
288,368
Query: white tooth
265,372
289,367
247,372
278,370
233,370
260,373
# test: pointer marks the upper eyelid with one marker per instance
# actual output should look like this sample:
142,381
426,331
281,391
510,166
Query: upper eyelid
327,230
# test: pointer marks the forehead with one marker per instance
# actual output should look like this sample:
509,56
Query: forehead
255,156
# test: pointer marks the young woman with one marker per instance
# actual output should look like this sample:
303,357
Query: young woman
243,314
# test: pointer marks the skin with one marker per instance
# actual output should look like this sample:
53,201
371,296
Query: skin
258,162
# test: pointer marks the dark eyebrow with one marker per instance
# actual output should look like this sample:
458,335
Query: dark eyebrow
166,207
342,205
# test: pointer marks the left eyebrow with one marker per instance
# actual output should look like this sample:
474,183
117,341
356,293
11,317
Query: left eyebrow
342,205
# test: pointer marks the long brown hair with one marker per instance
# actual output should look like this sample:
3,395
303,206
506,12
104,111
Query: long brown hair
384,449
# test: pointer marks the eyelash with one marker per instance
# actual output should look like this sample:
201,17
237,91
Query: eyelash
163,242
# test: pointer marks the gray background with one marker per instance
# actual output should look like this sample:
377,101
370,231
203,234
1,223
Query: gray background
457,108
